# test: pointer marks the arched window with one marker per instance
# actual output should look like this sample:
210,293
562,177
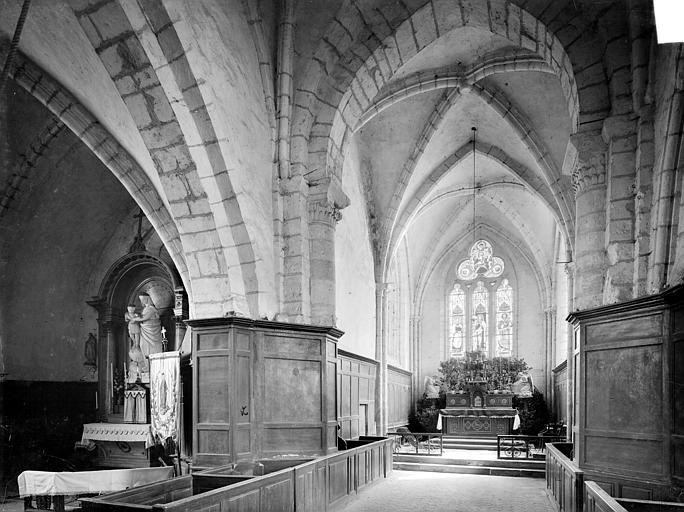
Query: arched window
480,308
480,305
504,319
457,346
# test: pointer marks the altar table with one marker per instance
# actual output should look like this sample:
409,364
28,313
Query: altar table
121,445
477,422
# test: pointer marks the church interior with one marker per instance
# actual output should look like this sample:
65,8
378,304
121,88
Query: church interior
264,226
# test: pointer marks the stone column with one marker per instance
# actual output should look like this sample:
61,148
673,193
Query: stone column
589,183
323,216
326,199
550,317
414,343
643,187
570,272
381,357
619,133
296,305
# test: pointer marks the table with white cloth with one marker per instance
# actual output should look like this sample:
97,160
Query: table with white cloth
120,445
60,484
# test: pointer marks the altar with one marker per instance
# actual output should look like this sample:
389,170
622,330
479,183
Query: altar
120,445
476,412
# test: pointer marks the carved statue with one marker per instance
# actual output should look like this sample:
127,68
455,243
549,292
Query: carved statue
90,351
431,388
138,362
150,327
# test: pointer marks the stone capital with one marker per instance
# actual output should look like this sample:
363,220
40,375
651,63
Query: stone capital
590,162
324,212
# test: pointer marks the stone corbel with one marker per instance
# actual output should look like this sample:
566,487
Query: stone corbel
327,200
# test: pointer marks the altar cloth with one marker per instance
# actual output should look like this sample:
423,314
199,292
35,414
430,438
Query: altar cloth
126,432
42,483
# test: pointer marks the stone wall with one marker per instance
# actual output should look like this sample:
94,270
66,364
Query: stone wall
354,275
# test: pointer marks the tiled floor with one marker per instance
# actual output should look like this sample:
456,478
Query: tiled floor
413,491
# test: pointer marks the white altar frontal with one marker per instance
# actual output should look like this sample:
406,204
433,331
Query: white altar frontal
119,445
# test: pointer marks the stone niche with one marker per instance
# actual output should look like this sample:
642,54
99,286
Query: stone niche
629,395
262,389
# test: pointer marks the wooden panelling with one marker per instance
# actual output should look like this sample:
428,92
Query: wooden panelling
356,381
212,395
564,480
288,438
640,327
292,390
624,389
598,500
262,388
212,340
618,455
628,401
398,397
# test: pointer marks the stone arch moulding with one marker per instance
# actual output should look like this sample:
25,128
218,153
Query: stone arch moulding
84,125
339,106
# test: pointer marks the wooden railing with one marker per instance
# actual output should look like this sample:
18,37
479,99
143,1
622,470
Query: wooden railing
517,446
564,479
417,443
317,485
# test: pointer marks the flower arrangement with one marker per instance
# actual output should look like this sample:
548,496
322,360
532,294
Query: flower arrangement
119,386
499,372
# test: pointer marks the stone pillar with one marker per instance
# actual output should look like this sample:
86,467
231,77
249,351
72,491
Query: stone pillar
326,199
643,187
381,357
570,272
550,318
619,133
323,216
589,183
414,342
296,305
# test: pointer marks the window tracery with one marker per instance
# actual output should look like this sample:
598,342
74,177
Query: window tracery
480,314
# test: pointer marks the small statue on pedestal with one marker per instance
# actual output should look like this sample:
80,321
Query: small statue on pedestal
431,388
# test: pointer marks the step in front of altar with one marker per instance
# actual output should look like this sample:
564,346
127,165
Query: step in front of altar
516,468
454,442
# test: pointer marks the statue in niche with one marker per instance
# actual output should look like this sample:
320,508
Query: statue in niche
150,327
138,362
90,353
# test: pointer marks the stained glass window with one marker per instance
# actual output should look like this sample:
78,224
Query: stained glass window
504,319
457,310
482,263
478,320
480,308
